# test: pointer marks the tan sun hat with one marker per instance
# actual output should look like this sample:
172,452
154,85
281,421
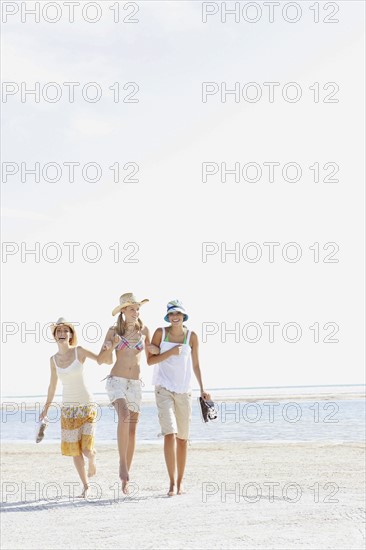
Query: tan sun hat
62,322
128,299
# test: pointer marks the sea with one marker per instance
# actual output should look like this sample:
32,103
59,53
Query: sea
334,413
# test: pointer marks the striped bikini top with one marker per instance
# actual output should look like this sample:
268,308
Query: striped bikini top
124,343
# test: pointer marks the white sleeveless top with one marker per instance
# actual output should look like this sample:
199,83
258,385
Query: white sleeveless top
175,373
74,391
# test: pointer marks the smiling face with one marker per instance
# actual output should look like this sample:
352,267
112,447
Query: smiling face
175,318
63,334
131,313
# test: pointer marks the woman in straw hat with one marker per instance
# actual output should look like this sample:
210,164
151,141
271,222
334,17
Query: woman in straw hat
78,412
129,337
172,378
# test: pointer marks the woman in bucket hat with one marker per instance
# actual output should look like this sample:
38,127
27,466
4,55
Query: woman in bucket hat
78,412
129,337
172,378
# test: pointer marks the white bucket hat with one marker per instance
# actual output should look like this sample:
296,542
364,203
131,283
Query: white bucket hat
175,305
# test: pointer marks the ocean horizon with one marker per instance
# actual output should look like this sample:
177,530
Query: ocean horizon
242,391
261,414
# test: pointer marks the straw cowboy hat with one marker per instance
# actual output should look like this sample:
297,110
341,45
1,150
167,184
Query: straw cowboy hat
128,299
175,305
62,322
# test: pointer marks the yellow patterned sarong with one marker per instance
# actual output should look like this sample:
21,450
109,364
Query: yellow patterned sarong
78,429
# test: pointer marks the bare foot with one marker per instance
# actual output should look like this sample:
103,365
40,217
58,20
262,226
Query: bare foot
83,492
124,477
92,467
181,490
171,491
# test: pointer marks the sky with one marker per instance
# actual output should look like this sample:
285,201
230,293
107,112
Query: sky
168,233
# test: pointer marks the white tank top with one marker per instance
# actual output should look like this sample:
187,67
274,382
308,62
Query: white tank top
174,373
74,391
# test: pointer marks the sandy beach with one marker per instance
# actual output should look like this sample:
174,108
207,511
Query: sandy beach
239,495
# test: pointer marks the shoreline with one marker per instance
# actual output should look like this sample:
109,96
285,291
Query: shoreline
197,442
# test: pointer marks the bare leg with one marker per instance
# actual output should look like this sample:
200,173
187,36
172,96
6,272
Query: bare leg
134,418
122,439
170,460
80,466
181,463
92,468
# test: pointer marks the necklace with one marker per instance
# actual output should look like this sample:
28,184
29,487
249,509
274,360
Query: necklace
128,336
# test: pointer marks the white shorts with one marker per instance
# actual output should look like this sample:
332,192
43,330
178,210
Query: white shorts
125,388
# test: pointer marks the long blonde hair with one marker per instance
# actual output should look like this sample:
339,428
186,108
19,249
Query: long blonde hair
121,325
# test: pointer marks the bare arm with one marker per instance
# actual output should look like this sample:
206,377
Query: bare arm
150,349
106,352
85,353
156,341
196,365
51,390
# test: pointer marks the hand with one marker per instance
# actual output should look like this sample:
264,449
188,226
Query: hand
116,340
154,350
42,415
107,345
177,350
206,396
